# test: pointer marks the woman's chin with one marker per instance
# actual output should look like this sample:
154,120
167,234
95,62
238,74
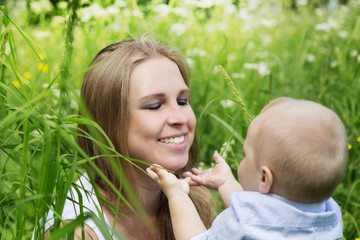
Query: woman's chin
176,166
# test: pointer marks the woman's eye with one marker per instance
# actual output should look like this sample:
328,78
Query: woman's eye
183,101
154,106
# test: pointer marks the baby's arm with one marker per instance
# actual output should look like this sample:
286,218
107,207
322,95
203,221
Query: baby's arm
185,220
218,178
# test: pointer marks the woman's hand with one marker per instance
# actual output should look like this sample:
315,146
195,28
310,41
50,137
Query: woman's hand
168,182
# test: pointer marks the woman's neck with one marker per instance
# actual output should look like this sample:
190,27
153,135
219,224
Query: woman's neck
134,222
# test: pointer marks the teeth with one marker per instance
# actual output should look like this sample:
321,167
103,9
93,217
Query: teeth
175,140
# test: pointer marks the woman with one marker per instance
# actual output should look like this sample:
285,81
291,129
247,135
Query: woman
137,91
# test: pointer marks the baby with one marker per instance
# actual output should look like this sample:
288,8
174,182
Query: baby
295,156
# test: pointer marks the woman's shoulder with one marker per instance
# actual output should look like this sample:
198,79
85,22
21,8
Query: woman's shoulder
81,198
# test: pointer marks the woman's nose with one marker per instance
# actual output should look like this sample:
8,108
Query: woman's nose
177,116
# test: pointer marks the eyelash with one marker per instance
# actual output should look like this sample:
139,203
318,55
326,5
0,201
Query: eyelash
156,106
183,101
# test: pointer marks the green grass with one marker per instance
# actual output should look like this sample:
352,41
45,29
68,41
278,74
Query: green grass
40,80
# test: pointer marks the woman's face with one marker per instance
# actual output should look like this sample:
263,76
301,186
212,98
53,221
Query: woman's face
161,120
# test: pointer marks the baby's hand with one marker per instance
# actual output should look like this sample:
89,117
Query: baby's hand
168,182
211,178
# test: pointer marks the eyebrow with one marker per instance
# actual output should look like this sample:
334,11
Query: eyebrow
161,95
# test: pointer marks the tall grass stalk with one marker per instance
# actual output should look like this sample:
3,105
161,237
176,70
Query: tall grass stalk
237,94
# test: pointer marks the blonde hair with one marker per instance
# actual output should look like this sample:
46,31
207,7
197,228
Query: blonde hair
305,145
105,93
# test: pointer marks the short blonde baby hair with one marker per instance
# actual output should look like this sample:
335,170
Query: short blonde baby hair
305,146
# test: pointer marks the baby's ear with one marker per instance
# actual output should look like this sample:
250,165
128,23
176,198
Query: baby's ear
266,180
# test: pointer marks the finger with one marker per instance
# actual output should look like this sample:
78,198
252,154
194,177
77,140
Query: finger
185,180
158,170
193,183
196,171
217,158
191,176
152,174
196,180
187,174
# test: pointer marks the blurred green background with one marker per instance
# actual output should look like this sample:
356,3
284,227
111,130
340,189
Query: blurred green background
242,54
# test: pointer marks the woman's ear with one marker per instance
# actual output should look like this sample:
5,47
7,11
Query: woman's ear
266,180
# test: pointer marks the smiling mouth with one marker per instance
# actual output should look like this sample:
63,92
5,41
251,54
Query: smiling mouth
174,140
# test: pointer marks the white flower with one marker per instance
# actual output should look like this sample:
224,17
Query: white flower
333,64
196,52
269,23
112,10
238,75
302,3
218,26
178,28
266,39
245,15
345,9
354,53
263,69
319,12
180,11
223,3
202,165
16,8
137,13
229,9
253,5
41,6
62,5
310,58
190,62
334,24
358,58
251,65
94,10
227,103
205,3
115,27
216,69
343,34
262,54
56,92
162,10
226,147
232,57
41,34
126,12
120,3
323,27
57,21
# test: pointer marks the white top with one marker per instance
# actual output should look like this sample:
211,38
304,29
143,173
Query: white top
89,203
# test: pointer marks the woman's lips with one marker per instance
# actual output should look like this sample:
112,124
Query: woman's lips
173,140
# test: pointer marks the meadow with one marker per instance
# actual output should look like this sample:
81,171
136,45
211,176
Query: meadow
242,54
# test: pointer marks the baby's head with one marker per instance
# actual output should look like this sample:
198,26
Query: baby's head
298,150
